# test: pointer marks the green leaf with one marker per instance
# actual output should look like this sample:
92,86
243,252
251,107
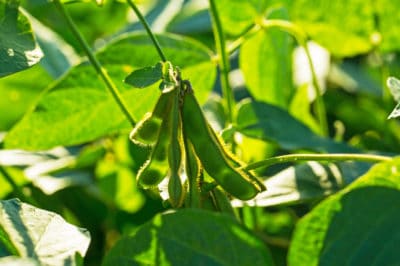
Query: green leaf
306,182
41,235
18,92
18,49
190,237
343,27
265,60
267,122
144,77
237,15
79,108
388,15
353,227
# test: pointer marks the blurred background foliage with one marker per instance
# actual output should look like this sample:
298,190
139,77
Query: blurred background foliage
354,46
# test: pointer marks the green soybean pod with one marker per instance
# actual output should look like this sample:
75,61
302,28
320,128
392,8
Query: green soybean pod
192,170
212,154
237,163
156,167
175,188
146,131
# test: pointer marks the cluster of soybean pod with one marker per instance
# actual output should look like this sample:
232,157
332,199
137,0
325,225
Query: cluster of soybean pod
182,143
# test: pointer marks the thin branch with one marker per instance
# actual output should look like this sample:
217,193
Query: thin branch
148,30
317,157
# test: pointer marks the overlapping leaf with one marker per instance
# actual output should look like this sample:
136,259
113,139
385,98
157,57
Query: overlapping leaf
353,227
267,122
38,234
79,108
190,237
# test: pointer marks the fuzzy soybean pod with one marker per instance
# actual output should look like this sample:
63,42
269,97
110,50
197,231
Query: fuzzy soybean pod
146,131
156,167
192,170
211,153
175,189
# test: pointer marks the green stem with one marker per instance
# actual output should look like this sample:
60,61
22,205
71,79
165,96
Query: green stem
224,62
239,41
301,38
18,192
95,63
148,30
321,110
318,157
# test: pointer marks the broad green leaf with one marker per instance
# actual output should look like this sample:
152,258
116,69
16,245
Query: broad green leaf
42,235
265,60
355,226
387,12
190,237
18,48
343,27
237,16
306,182
79,108
263,121
18,92
144,77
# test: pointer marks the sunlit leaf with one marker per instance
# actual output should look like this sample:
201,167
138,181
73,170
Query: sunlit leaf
41,235
79,108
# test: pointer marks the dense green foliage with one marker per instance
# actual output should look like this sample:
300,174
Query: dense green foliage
135,144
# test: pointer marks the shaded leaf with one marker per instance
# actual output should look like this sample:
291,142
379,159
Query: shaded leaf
59,56
353,226
263,121
144,77
42,235
190,237
79,108
18,49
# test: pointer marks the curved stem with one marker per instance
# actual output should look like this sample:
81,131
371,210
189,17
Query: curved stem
95,63
148,30
18,192
301,38
238,42
317,157
321,110
224,62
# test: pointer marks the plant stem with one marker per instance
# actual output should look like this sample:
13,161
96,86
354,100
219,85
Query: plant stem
319,102
95,63
301,38
18,192
317,157
224,60
238,42
148,30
